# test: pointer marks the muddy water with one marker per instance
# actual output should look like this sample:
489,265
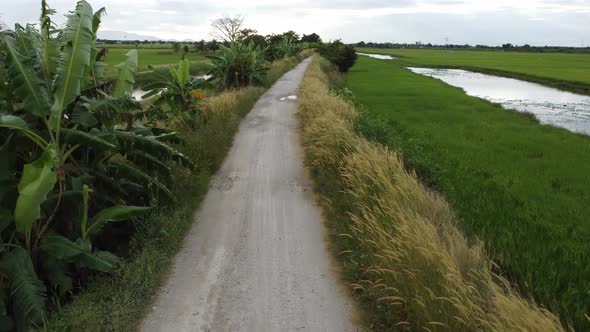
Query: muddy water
551,106
378,56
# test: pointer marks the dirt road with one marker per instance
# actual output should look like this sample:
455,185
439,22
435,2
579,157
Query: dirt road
255,259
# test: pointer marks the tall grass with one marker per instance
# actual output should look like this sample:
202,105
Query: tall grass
407,260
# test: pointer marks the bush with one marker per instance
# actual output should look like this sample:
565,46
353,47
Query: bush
343,56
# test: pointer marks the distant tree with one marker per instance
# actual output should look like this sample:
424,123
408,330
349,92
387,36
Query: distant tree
248,36
313,38
176,47
213,45
246,33
201,46
274,39
185,49
227,28
291,35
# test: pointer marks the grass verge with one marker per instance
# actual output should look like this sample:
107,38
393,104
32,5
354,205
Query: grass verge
119,302
408,263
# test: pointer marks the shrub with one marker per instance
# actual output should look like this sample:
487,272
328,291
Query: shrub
343,56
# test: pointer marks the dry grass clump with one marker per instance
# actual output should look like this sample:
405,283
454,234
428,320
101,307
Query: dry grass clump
230,101
413,268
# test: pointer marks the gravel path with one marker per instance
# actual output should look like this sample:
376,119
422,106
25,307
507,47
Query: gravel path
255,260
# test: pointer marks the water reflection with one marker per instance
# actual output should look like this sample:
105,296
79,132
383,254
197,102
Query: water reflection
378,56
551,106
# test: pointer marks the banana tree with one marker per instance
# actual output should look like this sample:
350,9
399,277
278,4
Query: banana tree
77,138
176,92
237,66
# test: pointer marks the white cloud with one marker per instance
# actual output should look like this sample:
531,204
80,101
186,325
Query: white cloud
470,21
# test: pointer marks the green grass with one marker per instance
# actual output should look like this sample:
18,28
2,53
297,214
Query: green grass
562,70
158,58
167,46
147,57
521,187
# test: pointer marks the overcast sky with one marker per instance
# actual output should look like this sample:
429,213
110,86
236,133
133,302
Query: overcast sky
493,22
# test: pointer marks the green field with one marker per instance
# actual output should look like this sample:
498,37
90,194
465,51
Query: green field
561,70
521,187
147,57
166,46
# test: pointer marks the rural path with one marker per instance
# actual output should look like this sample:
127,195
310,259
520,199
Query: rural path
255,260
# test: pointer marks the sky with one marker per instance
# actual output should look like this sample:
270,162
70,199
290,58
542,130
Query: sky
490,22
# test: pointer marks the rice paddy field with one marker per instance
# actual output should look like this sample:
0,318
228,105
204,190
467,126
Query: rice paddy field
521,187
148,56
566,71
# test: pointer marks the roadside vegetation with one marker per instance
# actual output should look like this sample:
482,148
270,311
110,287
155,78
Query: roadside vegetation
97,189
121,301
564,71
398,241
520,187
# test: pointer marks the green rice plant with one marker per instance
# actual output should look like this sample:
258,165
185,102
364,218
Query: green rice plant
398,241
518,185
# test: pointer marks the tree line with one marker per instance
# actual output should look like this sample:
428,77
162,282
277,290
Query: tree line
504,47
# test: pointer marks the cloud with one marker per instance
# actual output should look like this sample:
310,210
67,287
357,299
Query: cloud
472,21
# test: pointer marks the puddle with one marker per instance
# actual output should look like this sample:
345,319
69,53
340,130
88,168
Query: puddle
378,56
292,97
551,106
